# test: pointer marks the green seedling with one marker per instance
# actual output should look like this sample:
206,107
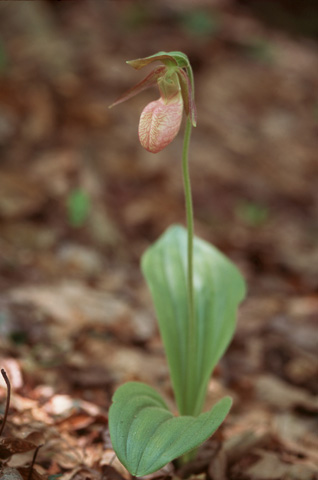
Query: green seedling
200,23
252,214
196,291
261,50
78,206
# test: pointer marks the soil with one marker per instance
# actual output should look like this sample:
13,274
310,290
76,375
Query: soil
80,201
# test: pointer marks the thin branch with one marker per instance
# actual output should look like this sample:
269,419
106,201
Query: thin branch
33,461
6,379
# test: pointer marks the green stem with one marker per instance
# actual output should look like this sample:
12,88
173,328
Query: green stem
188,406
191,326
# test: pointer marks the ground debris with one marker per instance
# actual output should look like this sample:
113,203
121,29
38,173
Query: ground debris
76,318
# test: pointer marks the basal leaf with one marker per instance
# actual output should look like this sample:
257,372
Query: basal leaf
218,289
145,434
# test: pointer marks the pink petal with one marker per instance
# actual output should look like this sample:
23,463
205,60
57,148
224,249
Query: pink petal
159,124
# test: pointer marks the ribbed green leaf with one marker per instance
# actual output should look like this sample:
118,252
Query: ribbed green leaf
218,288
145,434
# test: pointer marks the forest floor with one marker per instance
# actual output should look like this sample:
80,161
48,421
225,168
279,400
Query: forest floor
80,201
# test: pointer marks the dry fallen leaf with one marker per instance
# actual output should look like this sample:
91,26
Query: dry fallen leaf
218,466
19,195
25,473
11,446
109,473
283,396
271,467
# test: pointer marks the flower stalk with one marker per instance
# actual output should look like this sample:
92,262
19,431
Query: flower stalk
159,124
190,230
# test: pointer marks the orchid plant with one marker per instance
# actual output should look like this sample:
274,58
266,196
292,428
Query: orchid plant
196,291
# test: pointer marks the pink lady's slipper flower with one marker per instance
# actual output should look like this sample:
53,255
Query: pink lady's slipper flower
160,120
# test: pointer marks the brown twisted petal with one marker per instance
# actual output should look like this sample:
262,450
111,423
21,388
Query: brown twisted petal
147,82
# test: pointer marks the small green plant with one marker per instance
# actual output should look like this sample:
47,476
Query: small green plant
196,291
261,50
78,207
251,213
200,23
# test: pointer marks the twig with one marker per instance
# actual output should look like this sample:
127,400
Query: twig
5,377
33,460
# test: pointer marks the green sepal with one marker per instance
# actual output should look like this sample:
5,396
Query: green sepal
181,58
163,57
187,96
146,435
167,58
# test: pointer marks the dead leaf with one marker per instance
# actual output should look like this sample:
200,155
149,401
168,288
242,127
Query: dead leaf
90,376
10,446
218,466
283,396
109,473
81,473
271,467
239,445
25,472
76,422
19,196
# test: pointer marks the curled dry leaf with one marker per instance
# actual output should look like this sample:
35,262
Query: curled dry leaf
11,446
75,422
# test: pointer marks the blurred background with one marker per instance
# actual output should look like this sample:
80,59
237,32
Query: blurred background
80,200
